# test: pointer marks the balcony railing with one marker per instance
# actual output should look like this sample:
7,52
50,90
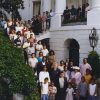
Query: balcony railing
73,21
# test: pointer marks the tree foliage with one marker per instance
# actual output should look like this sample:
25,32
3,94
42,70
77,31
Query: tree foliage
93,59
18,76
12,6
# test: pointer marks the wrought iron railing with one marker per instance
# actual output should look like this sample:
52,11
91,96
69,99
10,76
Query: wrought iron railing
76,21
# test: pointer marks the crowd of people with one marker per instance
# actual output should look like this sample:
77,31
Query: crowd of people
42,22
56,80
38,24
76,14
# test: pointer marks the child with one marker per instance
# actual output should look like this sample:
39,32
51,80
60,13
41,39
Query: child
88,76
83,89
52,91
66,72
76,91
70,92
92,90
44,89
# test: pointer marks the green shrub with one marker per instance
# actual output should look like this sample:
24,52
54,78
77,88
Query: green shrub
93,59
18,76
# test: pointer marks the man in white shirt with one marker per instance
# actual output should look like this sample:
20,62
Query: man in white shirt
45,51
18,28
3,22
39,47
44,89
43,74
87,9
30,50
31,32
27,33
61,86
33,61
51,13
26,44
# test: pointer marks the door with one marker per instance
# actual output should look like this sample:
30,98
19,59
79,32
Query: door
74,52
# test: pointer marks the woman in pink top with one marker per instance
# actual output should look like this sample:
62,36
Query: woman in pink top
44,18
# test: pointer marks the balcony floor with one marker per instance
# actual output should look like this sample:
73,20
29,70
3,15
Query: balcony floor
75,23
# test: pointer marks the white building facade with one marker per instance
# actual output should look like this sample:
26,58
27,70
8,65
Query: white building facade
61,37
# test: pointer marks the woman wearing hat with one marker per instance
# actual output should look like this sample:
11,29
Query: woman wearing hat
77,75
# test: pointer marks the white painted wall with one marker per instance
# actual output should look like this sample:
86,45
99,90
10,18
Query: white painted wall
79,33
45,5
93,16
58,35
27,12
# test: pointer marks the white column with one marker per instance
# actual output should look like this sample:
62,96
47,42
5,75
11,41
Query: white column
90,3
45,5
95,4
60,6
93,16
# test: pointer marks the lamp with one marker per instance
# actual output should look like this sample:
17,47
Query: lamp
93,38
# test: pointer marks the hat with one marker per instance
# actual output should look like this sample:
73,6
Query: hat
76,68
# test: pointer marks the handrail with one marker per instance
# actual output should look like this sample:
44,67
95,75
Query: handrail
77,21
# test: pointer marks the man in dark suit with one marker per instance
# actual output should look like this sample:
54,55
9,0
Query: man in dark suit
66,14
61,87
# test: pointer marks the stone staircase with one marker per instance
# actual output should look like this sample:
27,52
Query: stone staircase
43,35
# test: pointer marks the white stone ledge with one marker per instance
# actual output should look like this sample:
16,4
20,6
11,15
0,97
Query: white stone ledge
77,27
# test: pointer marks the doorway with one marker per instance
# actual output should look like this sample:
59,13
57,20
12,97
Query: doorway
72,48
46,42
74,51
36,7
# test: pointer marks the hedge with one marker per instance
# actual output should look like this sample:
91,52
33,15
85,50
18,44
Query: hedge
17,76
94,61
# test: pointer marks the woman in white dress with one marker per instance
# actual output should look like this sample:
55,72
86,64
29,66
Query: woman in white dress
69,91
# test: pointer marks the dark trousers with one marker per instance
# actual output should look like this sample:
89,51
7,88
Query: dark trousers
48,24
25,57
92,98
61,94
82,98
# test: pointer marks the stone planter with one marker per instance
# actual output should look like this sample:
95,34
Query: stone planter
18,96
